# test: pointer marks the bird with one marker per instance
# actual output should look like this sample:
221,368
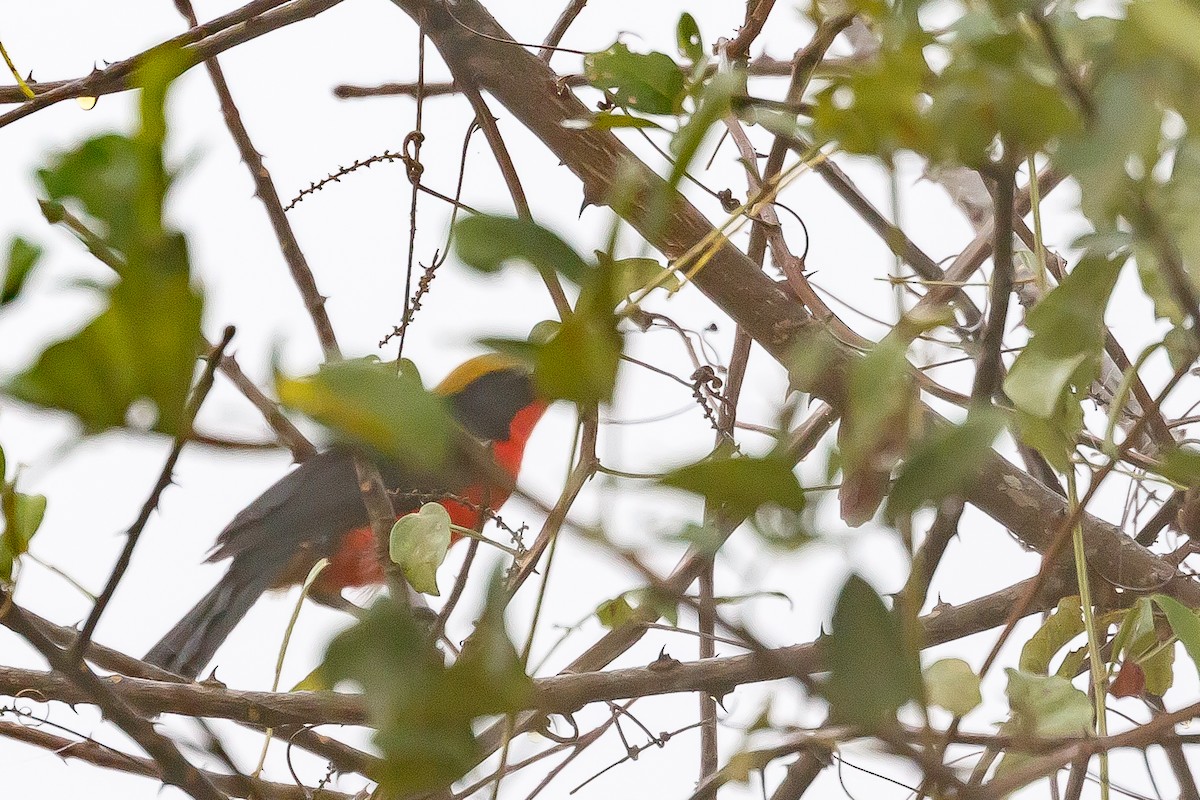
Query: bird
316,511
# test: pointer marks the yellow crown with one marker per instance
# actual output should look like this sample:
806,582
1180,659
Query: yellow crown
472,369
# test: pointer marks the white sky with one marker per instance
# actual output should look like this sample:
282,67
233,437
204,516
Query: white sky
354,234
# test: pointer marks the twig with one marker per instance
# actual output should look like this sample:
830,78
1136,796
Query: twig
165,477
199,43
762,66
927,558
414,168
756,17
990,372
896,240
558,694
1074,515
345,758
580,475
287,433
264,189
114,77
487,123
559,29
101,755
69,673
1170,263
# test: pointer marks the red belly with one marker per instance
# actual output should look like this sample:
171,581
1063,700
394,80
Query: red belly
356,562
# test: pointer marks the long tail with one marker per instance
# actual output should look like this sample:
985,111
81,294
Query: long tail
190,645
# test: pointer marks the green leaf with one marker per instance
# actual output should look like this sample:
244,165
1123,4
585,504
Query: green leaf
1136,624
488,242
945,462
1159,670
489,669
713,104
638,604
23,256
133,363
742,765
616,612
370,404
1036,385
873,671
608,120
1181,346
951,684
1072,662
576,359
705,539
1068,337
1172,24
102,175
1181,465
580,362
741,484
1137,640
422,711
876,429
1184,623
878,109
1046,706
993,89
419,543
632,275
688,39
422,728
1053,437
1056,632
881,402
23,515
1042,707
651,83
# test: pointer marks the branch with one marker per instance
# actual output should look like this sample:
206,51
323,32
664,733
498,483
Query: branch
763,66
559,29
344,757
113,74
101,755
756,17
88,688
558,694
990,372
198,44
164,480
264,189
287,433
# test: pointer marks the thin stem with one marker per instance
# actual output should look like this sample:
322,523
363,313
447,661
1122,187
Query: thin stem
1098,671
283,646
1035,205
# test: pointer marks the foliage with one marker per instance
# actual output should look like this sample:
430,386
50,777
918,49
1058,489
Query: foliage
133,363
1016,96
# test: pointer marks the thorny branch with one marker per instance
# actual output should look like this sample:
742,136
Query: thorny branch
164,480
